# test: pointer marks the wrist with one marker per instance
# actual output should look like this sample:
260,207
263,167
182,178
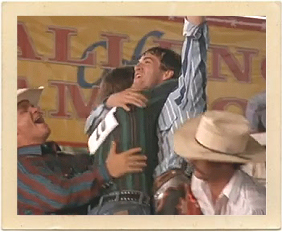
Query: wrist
111,174
107,178
106,104
104,171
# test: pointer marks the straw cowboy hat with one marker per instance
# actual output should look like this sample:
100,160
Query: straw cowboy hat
32,95
218,136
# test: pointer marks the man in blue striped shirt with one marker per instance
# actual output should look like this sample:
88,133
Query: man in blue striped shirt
187,101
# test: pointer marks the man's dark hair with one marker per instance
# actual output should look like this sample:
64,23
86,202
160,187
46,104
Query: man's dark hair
170,60
116,80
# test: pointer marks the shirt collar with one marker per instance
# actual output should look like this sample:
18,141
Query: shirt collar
30,150
198,186
37,149
232,189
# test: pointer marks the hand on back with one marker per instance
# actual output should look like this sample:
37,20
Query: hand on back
130,161
129,96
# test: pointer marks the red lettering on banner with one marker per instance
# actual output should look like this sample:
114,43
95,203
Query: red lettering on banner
263,68
25,44
81,107
114,47
63,48
216,51
242,74
61,111
224,103
165,43
22,83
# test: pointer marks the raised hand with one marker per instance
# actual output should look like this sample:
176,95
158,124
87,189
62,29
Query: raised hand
125,162
129,96
196,20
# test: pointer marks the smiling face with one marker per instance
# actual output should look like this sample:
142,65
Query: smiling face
31,127
148,72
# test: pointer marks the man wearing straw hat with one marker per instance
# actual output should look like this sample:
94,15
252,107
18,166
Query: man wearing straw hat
44,184
217,143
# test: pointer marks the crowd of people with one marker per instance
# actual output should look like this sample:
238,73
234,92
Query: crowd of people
153,146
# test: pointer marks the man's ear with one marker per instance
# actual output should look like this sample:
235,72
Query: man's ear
168,74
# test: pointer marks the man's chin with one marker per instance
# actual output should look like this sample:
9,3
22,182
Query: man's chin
45,129
139,85
47,134
135,85
48,131
199,175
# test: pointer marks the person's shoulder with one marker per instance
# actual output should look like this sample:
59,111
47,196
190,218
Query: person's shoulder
253,192
259,98
167,85
250,184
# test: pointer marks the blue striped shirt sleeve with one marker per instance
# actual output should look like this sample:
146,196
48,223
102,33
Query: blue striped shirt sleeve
189,99
190,95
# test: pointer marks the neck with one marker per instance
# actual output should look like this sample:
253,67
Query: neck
24,143
217,185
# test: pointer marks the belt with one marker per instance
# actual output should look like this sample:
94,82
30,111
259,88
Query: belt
125,196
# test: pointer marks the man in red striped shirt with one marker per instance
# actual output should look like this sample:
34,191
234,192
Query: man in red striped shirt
43,187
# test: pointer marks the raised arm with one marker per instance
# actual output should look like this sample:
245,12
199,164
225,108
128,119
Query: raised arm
189,99
190,95
120,99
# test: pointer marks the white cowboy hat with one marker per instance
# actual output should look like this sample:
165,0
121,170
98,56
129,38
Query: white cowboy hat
32,95
218,136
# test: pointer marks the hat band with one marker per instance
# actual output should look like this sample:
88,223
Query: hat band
220,152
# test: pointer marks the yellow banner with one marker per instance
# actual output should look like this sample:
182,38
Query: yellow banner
68,54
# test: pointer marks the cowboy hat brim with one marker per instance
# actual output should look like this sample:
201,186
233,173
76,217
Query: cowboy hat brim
32,95
186,146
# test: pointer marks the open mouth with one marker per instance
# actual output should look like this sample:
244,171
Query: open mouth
137,76
39,120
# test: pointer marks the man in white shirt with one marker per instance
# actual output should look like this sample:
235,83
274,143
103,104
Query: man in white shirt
217,143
